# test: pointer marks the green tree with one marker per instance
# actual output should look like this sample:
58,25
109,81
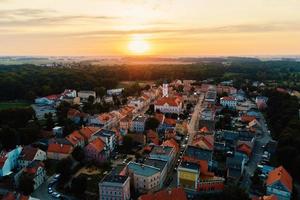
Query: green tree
49,121
79,185
26,184
152,123
78,154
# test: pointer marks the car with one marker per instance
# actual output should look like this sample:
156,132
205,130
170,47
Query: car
57,176
50,191
56,195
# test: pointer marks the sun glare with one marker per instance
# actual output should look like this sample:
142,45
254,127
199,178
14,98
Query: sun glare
138,46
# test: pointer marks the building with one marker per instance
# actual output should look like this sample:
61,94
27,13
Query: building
162,165
9,161
108,137
144,178
85,94
235,165
29,154
88,132
116,91
105,120
59,151
17,196
280,184
228,102
188,174
44,101
125,123
36,171
114,187
96,151
138,124
164,153
270,197
170,194
168,105
76,139
198,153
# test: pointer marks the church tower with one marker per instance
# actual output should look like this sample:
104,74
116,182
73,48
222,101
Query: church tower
165,89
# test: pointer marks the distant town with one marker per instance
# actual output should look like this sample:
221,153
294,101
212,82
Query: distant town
181,139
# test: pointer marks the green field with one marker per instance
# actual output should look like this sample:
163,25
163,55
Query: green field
9,105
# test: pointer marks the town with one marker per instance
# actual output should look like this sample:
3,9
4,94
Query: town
180,139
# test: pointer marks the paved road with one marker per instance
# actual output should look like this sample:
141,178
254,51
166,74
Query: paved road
257,152
193,126
42,191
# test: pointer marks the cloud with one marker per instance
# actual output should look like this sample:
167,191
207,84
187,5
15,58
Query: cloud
37,17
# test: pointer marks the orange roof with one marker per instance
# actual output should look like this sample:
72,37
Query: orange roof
97,144
170,121
153,137
247,118
245,149
171,143
174,194
14,196
171,101
204,129
88,131
60,148
280,174
73,112
105,117
75,137
204,141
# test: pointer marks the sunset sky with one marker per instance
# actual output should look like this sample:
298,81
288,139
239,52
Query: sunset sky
150,27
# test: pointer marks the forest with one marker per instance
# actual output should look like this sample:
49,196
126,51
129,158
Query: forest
26,82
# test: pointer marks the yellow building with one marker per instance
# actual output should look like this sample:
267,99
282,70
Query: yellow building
188,175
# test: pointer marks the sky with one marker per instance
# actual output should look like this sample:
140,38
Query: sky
165,27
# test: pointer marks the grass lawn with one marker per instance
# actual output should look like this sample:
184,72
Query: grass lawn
9,105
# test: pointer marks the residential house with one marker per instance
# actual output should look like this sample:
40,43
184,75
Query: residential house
29,154
108,137
152,137
76,139
144,178
36,171
44,101
115,187
9,160
269,197
167,194
138,124
125,123
96,151
76,116
88,132
198,153
58,151
17,196
105,120
280,184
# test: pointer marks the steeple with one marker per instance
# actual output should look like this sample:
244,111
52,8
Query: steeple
165,89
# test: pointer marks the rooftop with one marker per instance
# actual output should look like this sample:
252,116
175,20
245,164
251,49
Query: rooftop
143,170
156,163
189,165
115,179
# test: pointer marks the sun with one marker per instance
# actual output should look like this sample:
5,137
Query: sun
138,46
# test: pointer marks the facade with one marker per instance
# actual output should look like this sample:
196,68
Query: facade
114,187
235,165
162,165
228,102
9,161
280,184
188,174
105,120
144,178
138,124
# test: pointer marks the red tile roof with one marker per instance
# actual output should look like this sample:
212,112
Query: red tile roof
171,143
174,194
280,174
204,141
60,148
153,137
247,118
97,144
75,137
245,149
170,121
88,131
171,101
228,98
204,129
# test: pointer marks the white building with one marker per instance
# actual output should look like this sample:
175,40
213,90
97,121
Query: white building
138,124
228,102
